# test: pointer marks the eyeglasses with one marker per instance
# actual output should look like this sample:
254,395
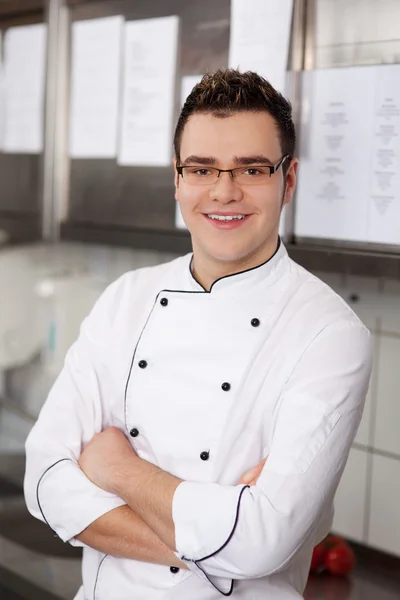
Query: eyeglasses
249,175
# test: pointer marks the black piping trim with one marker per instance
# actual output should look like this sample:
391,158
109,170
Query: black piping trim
133,358
196,562
37,491
213,584
233,274
233,530
140,337
97,576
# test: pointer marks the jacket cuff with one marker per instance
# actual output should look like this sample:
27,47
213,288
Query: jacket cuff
205,516
224,585
69,502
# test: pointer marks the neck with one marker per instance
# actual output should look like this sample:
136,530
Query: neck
206,269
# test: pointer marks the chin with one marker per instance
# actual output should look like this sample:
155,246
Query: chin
229,254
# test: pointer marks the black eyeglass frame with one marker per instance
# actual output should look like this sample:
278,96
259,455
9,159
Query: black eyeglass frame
272,168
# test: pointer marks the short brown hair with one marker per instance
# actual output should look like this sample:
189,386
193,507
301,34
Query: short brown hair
228,91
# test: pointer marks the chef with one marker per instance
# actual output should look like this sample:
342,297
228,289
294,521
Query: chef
194,440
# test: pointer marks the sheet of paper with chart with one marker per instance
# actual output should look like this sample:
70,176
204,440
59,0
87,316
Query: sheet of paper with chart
148,92
260,37
24,83
335,171
95,83
384,196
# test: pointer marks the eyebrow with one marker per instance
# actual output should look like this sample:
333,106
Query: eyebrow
258,159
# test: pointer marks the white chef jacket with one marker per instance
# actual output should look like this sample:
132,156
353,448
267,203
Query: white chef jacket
205,384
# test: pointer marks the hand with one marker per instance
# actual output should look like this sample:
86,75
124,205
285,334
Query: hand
105,458
251,477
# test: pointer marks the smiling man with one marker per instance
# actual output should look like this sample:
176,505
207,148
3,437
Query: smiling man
189,374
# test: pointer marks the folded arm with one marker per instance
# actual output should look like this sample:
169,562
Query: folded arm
122,533
234,532
57,491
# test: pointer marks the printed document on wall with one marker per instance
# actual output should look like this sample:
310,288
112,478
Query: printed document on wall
24,80
260,38
335,152
150,56
95,81
384,170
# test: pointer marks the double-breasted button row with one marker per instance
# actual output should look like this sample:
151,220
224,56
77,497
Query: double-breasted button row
134,432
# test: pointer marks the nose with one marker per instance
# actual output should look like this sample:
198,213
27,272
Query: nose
225,190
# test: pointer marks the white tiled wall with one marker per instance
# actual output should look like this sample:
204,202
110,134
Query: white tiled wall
367,504
387,424
384,524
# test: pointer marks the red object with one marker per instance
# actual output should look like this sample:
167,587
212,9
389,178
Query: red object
340,559
332,541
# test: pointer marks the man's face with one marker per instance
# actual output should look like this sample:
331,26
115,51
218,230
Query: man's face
225,143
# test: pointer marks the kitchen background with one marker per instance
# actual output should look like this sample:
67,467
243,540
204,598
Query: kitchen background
71,225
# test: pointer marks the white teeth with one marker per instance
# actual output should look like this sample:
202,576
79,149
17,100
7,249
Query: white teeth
226,218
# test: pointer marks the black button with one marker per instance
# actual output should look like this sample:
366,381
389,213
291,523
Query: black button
134,432
205,455
255,322
226,386
164,302
142,364
174,569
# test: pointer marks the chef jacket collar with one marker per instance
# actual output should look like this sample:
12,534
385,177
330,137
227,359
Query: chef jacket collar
264,274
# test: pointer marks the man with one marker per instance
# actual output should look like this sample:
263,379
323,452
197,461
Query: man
188,374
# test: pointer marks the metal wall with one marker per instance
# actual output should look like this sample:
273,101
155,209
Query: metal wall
104,193
21,174
356,32
99,201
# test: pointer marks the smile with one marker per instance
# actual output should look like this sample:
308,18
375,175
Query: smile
226,217
227,222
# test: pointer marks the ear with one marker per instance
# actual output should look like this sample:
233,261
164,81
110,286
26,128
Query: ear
290,181
176,179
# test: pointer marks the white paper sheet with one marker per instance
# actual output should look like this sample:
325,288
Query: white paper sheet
24,76
260,35
384,197
95,83
335,155
148,92
188,83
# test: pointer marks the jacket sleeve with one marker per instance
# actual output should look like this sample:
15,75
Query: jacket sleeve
225,533
56,490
